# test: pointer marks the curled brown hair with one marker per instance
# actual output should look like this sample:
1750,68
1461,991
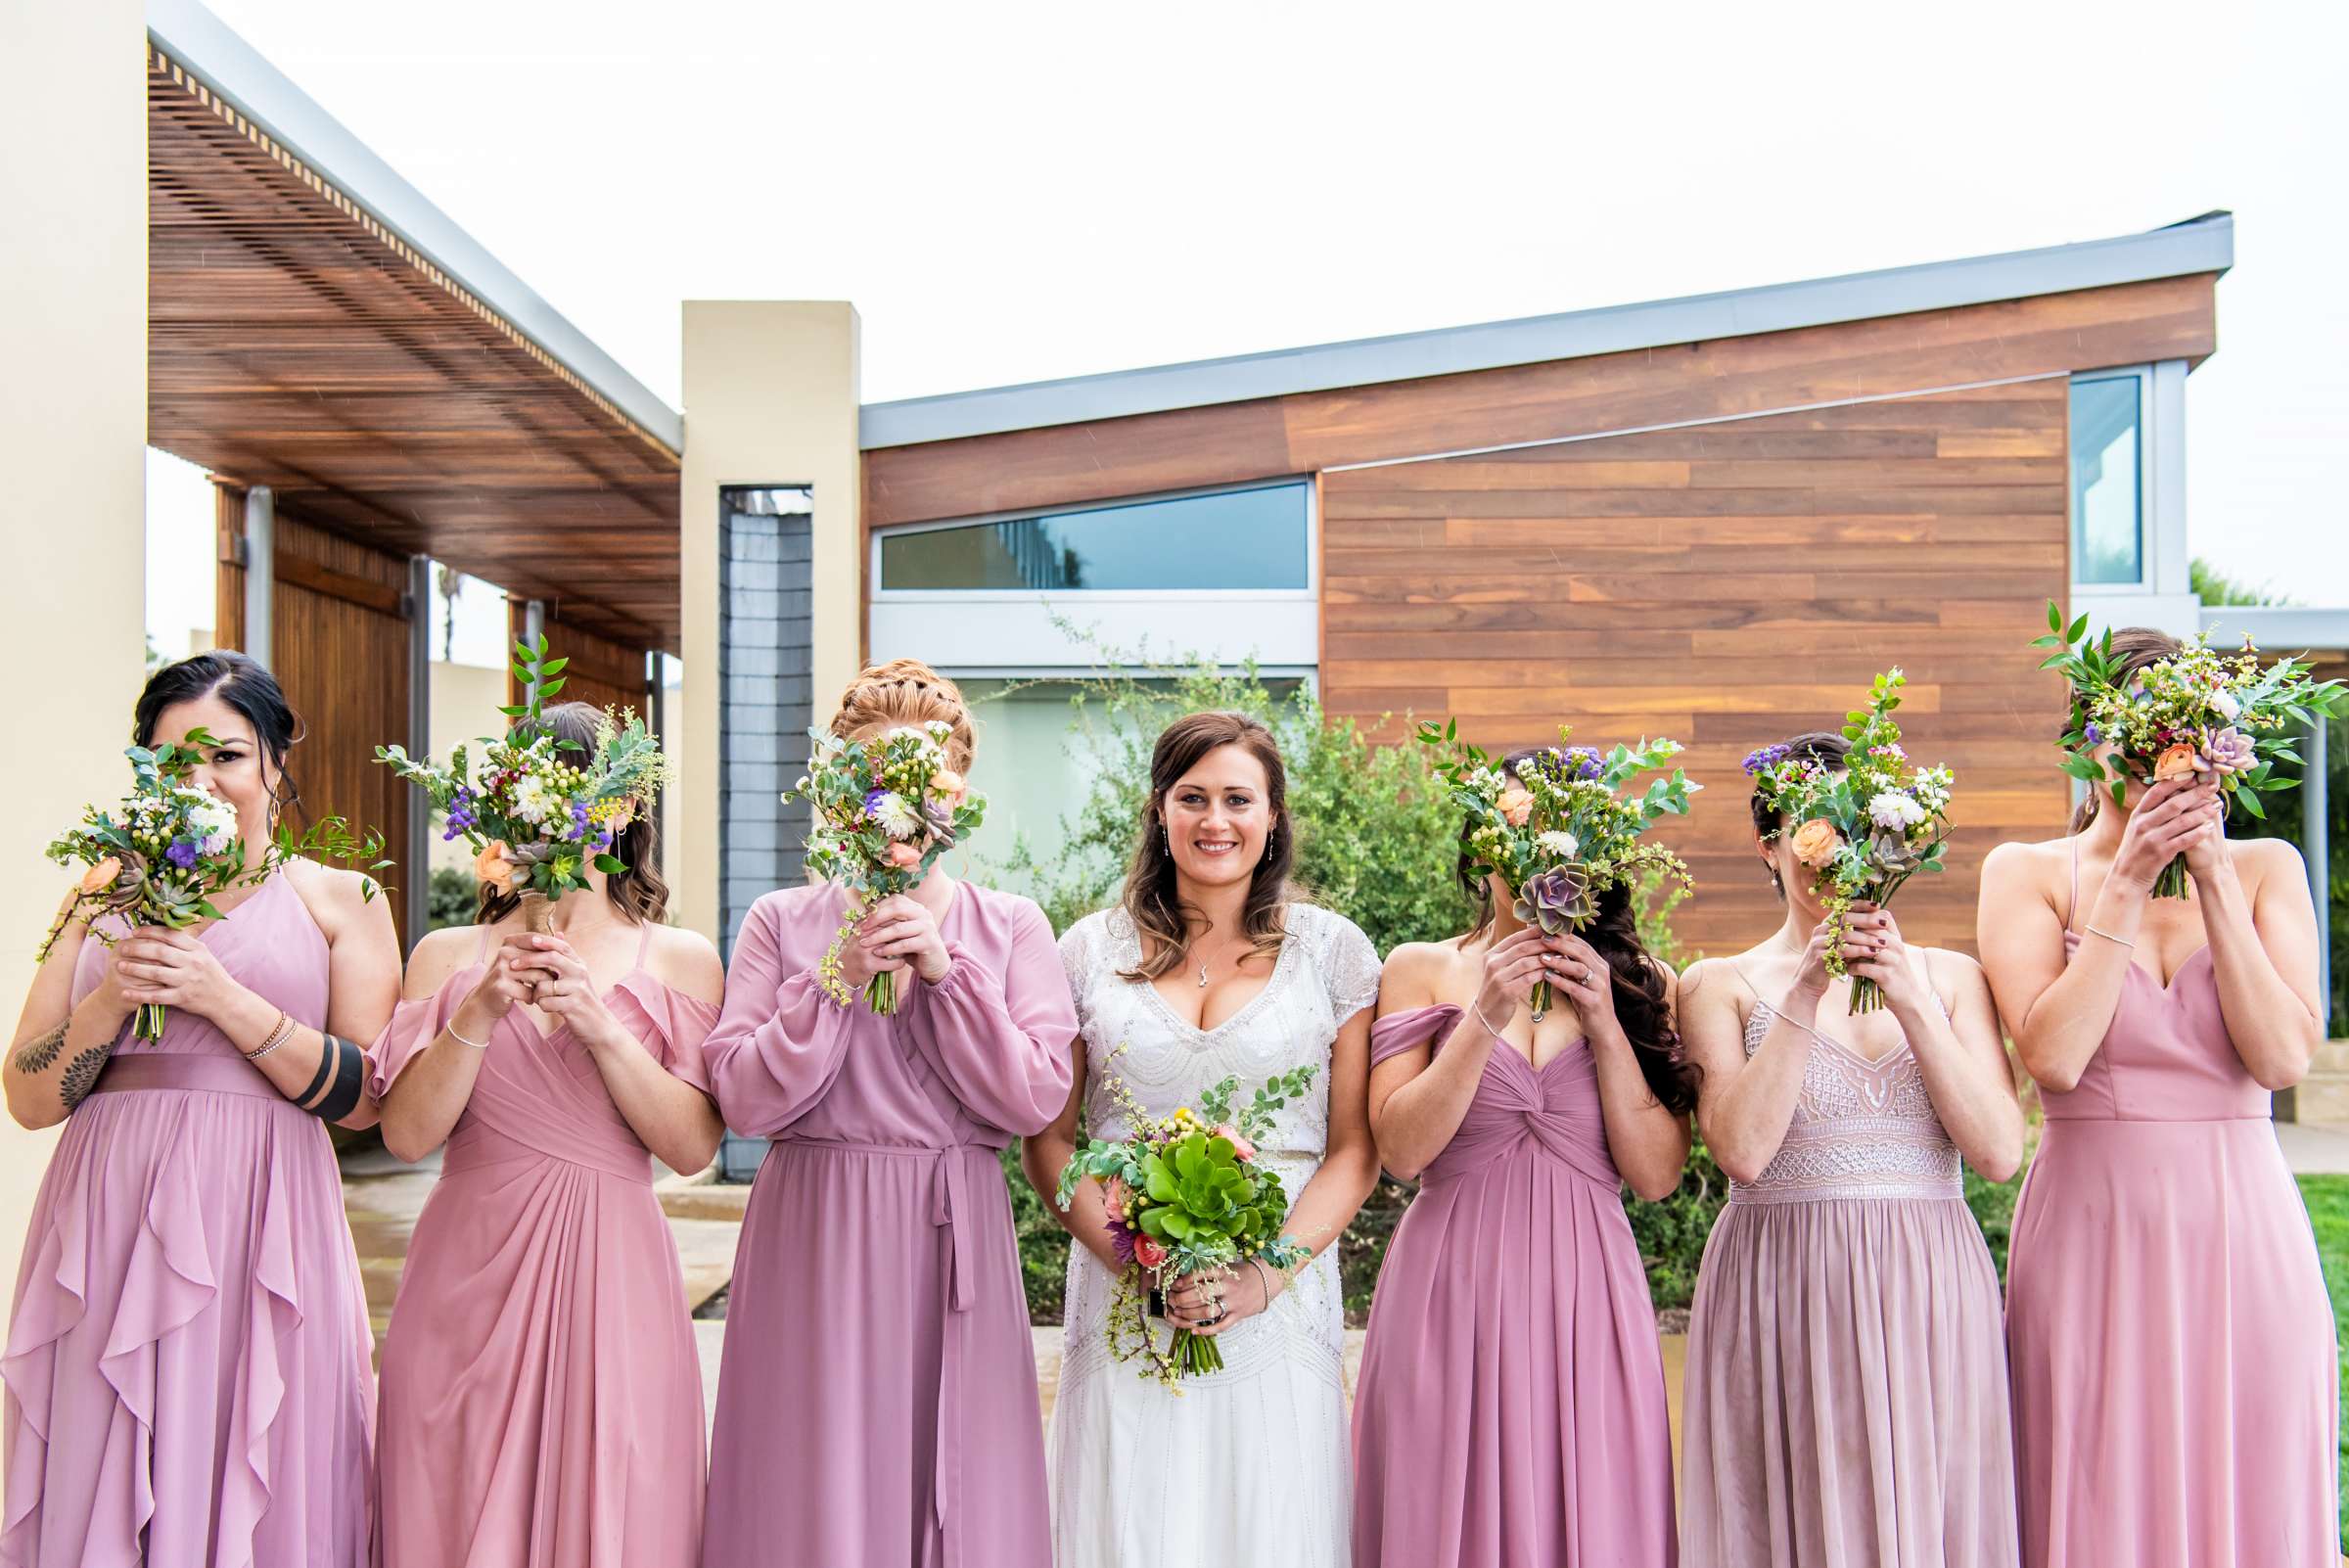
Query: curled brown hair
638,893
1641,1003
1812,745
906,694
1150,899
2135,649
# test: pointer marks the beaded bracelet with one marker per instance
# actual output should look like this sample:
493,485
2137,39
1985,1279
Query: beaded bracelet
279,1032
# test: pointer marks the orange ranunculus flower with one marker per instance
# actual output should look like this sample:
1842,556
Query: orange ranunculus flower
948,785
493,867
1815,841
1516,805
2177,762
101,876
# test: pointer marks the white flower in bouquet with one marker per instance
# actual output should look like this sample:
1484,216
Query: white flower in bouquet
896,816
534,801
1891,809
1559,843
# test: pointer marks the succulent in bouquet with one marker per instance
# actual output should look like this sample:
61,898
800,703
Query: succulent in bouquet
1863,828
2197,715
1561,828
1187,1193
538,811
885,809
161,855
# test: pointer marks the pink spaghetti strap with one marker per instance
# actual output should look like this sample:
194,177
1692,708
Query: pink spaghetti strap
644,941
481,951
2071,903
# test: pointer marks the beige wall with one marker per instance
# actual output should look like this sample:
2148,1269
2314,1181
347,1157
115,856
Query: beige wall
770,398
466,699
72,436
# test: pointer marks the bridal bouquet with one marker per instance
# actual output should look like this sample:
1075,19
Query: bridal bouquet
2198,714
1865,828
1187,1194
1558,833
158,857
885,811
538,811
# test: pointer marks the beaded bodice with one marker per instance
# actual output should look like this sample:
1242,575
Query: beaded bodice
1862,1129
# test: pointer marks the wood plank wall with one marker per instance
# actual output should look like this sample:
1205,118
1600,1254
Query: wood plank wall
1729,585
342,656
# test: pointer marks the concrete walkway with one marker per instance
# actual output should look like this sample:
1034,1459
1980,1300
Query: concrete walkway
2314,1150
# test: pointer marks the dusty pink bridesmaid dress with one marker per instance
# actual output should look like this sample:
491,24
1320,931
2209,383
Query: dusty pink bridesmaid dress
877,1402
1510,1408
187,1370
2175,1372
543,1400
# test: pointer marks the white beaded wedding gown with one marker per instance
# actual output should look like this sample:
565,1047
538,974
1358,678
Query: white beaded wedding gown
1250,1461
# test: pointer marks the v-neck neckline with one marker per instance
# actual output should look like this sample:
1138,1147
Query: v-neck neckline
1280,966
1854,1052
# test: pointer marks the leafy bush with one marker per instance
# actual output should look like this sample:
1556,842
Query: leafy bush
452,896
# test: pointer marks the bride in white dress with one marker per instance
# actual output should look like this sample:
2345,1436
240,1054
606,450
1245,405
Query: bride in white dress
1239,978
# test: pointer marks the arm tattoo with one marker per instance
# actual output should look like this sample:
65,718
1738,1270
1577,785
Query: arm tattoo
38,1054
80,1076
345,1083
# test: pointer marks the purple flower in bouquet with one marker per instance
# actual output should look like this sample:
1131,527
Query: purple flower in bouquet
2230,751
1763,757
1557,899
461,816
182,853
2092,734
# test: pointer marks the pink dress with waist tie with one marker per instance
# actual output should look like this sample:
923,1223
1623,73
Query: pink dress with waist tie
542,1399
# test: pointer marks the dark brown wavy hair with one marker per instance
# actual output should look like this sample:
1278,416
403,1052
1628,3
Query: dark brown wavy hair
2134,650
1641,1002
638,893
1812,745
1160,919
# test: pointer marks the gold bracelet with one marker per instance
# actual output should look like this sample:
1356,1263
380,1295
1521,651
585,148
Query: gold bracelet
2109,936
279,1032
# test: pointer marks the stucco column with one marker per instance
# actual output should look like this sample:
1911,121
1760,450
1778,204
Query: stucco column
72,438
770,400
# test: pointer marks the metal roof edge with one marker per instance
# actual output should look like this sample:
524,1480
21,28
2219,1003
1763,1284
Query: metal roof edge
2204,244
2280,628
207,48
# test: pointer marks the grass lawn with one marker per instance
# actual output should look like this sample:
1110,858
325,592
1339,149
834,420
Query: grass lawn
2327,1199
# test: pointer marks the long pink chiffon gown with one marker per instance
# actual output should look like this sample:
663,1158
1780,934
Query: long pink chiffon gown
1510,1408
1845,1405
542,1394
188,1368
877,1403
2176,1379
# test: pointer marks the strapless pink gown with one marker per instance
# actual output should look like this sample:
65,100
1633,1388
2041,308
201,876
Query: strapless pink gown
543,1400
2172,1344
1512,1405
188,1369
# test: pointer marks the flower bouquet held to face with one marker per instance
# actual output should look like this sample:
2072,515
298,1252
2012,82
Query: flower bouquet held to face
885,811
1555,830
541,809
1863,829
157,859
2198,714
1185,1195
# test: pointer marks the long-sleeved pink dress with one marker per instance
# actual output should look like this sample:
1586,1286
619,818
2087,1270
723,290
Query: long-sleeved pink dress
541,1396
877,1402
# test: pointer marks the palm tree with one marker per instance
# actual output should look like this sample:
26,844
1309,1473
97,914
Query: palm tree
453,583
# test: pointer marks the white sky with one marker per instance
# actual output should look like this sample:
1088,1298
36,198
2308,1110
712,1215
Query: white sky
1014,193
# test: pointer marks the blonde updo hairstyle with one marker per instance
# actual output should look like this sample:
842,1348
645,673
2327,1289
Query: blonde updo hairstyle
906,694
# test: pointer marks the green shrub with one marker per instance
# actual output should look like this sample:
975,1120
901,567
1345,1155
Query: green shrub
451,897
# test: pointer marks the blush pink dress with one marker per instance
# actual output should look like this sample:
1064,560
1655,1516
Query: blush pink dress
2175,1380
1511,1406
877,1405
188,1367
543,1400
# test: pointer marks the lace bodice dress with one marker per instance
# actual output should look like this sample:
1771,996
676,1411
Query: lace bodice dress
1862,1129
1135,1467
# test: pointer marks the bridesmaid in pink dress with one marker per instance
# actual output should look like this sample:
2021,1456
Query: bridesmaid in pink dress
877,1402
542,1397
2174,1364
187,1370
1511,1402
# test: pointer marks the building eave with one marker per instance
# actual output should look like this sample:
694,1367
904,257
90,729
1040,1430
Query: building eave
2202,244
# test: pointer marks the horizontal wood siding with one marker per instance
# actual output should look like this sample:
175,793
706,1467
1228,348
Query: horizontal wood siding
1729,585
1723,378
601,671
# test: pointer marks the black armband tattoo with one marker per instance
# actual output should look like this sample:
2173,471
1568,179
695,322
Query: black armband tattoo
37,1054
343,1069
326,1069
80,1076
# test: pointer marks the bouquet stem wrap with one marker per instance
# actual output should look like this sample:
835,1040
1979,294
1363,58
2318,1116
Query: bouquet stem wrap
537,913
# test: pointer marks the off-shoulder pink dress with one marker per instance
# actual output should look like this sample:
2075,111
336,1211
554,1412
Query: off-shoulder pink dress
877,1402
187,1370
1511,1406
543,1400
2175,1380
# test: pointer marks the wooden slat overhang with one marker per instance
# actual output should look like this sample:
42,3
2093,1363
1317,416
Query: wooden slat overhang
295,340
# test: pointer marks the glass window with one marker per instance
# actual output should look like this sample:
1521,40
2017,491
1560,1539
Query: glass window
2107,500
1235,540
